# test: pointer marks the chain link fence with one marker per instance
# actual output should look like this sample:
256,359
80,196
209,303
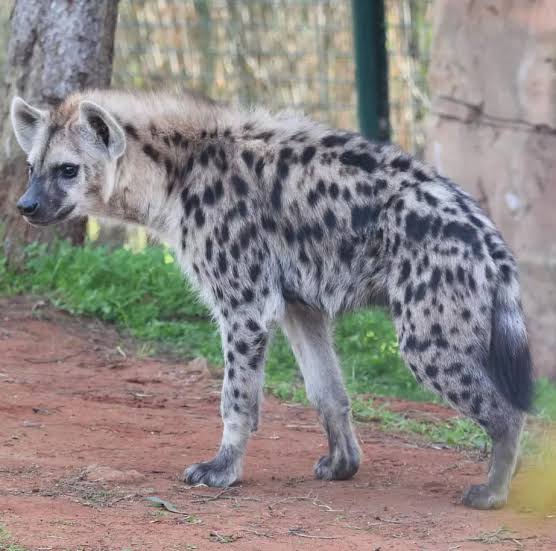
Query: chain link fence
295,54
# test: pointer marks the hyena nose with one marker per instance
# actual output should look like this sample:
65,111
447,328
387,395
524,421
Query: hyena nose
27,207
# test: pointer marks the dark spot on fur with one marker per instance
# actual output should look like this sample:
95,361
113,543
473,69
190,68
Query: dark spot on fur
435,279
330,219
276,195
401,163
248,158
466,380
242,208
417,227
131,130
360,160
362,217
453,397
420,292
476,404
241,347
308,154
208,249
430,199
265,136
240,185
420,175
346,251
268,223
465,233
454,368
199,218
363,188
151,152
208,196
334,140
506,272
431,371
408,295
248,295
222,262
404,272
254,272
259,167
252,325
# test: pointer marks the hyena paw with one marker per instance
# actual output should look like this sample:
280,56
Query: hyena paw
482,496
337,468
219,472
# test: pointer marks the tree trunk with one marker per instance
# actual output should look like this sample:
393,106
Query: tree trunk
56,47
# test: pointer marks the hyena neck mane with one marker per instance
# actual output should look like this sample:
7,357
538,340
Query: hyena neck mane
174,142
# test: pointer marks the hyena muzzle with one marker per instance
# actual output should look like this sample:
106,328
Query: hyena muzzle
279,220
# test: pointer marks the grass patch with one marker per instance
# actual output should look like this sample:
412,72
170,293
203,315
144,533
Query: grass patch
145,294
458,431
6,542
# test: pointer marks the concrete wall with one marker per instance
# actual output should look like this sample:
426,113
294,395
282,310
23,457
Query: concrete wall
492,129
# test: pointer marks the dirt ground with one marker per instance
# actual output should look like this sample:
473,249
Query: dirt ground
89,430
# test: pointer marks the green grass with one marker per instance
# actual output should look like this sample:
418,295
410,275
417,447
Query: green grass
6,542
145,294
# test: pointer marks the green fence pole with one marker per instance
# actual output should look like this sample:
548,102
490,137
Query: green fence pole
371,68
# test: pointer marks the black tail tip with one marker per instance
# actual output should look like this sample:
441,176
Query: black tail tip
511,368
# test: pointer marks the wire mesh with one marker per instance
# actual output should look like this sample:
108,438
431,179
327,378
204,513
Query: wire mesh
409,37
295,54
282,53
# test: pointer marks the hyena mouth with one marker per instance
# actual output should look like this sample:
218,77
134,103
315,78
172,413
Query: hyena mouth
65,212
58,217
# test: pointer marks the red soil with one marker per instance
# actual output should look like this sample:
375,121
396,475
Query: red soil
87,433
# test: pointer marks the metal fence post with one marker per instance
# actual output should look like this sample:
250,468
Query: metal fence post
371,68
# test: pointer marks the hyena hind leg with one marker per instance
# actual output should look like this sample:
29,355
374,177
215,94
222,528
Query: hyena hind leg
469,389
503,464
308,332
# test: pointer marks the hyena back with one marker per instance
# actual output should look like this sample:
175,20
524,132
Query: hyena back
279,219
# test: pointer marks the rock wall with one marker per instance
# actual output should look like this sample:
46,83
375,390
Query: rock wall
492,129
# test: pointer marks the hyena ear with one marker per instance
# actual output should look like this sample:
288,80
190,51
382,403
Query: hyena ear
26,122
106,131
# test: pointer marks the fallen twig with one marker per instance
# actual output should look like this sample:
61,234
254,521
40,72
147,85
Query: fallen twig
501,534
313,499
206,498
301,533
260,534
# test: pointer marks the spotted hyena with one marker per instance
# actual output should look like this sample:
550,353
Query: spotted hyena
280,219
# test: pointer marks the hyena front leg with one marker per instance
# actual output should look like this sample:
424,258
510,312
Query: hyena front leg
244,345
309,334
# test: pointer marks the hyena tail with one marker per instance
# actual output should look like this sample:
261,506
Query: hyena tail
509,363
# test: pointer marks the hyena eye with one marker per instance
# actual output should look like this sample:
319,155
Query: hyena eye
68,170
29,169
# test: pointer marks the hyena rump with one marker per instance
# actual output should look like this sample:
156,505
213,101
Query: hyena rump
277,218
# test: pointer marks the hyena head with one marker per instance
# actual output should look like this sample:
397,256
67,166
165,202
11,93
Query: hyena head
72,154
